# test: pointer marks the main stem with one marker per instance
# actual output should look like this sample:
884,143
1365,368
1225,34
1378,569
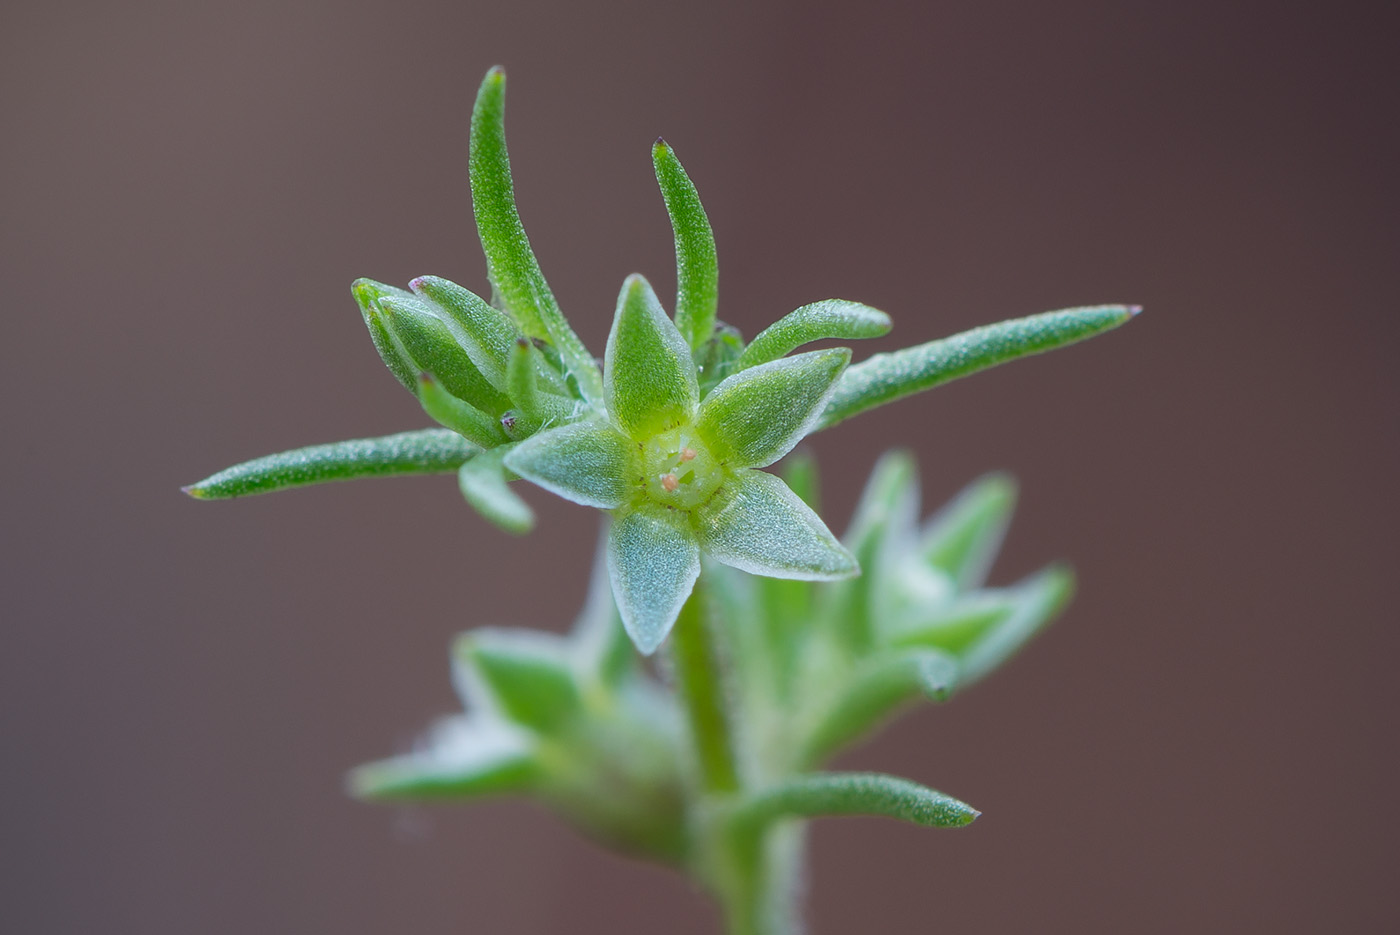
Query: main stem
754,875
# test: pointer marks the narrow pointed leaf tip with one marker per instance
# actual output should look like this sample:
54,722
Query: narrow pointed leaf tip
430,451
697,268
885,378
823,795
510,260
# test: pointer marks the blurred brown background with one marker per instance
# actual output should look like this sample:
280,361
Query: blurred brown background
1205,742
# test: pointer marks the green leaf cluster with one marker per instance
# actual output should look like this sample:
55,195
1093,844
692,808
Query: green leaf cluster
785,645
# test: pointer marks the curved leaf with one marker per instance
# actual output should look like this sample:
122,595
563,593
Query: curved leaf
427,451
830,318
482,481
510,261
823,795
697,269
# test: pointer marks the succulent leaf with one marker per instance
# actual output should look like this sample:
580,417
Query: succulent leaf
482,481
461,417
527,674
427,451
824,795
464,757
756,524
485,333
589,463
649,376
510,261
653,561
830,318
756,416
885,378
963,538
697,270
434,348
367,293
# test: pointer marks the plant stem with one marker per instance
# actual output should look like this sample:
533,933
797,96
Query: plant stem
701,692
754,873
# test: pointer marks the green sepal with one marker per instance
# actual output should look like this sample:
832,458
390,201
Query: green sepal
830,318
824,795
367,293
653,561
427,451
876,690
510,261
963,538
697,269
649,377
756,416
434,348
486,334
482,481
1040,599
465,757
756,524
589,463
885,378
527,674
461,417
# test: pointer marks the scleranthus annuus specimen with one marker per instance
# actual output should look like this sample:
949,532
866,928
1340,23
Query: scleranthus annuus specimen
785,643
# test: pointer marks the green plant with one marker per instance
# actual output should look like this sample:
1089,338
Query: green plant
784,644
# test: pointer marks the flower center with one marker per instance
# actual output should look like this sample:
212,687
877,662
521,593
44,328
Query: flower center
680,471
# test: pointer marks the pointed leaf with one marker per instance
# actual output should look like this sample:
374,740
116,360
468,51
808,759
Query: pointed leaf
831,318
485,333
391,350
429,451
756,524
465,757
756,416
879,535
962,539
653,562
528,675
885,378
483,484
697,270
955,626
434,348
511,263
648,371
1040,599
586,462
523,371
822,795
878,688
463,418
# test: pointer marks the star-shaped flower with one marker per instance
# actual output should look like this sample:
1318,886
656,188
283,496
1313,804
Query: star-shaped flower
678,471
